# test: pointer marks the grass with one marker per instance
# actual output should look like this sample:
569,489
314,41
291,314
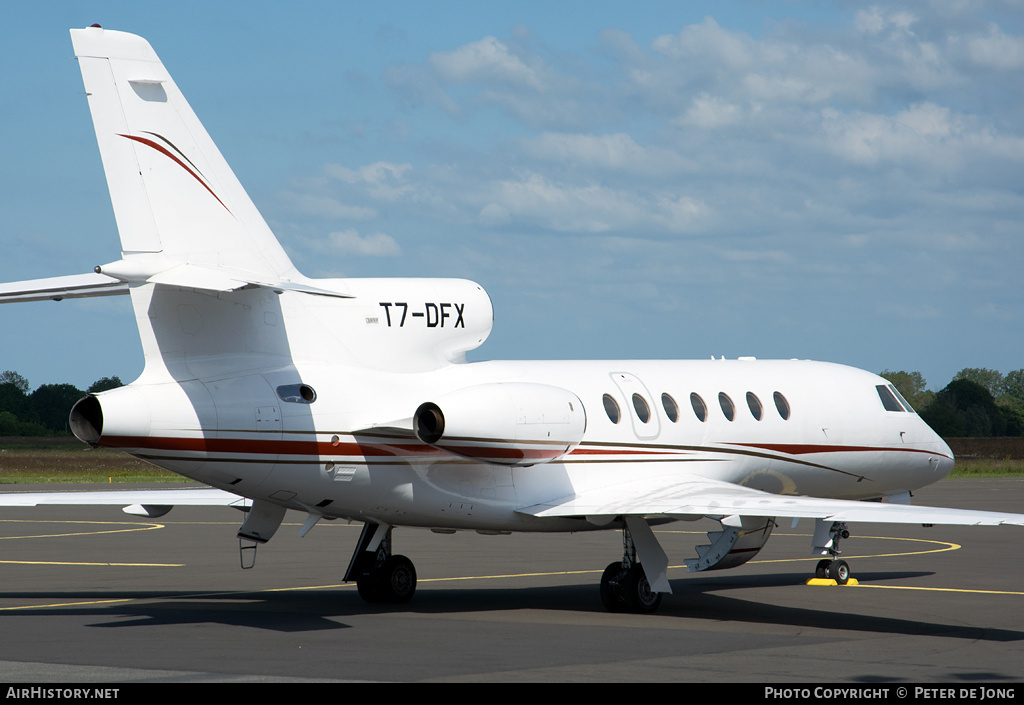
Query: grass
988,467
33,464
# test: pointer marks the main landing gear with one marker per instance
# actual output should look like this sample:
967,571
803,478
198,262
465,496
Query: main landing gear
624,584
379,575
831,567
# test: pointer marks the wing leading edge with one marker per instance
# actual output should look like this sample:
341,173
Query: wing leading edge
667,495
149,503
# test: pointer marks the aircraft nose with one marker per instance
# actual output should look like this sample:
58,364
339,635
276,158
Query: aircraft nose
943,458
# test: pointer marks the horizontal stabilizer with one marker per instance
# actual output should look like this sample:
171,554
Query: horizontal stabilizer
186,276
76,286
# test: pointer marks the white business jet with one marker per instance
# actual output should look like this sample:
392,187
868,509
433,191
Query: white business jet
352,398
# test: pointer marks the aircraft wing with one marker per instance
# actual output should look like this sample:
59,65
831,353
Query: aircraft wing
150,503
76,286
693,497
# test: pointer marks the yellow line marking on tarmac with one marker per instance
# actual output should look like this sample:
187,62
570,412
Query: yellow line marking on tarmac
67,604
946,546
133,526
936,589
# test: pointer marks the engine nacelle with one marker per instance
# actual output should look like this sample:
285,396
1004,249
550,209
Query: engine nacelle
107,417
511,423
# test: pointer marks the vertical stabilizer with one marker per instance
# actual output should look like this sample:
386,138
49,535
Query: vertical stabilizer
171,189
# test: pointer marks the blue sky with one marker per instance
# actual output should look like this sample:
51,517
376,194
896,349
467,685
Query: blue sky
835,181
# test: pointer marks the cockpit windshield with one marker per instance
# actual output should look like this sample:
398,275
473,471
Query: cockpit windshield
891,398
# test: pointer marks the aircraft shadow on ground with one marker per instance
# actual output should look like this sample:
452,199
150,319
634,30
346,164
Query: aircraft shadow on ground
285,611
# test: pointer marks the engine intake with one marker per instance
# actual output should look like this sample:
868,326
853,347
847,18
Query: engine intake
511,423
115,418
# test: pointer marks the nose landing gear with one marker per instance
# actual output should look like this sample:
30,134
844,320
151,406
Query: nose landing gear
831,568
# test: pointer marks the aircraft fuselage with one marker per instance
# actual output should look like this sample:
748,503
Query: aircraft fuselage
341,441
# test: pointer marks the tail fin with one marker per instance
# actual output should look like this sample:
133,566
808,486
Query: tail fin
172,191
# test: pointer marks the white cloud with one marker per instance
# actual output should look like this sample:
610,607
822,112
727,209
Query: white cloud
595,208
325,207
376,173
875,19
711,112
384,181
351,242
487,59
494,215
996,49
709,43
617,152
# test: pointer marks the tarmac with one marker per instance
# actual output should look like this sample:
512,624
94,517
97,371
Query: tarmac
92,595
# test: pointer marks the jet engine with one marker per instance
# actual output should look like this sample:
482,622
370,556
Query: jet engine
106,418
510,423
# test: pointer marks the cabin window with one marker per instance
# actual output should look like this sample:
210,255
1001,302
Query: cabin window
888,400
699,407
671,408
782,405
296,393
728,408
611,408
754,404
643,411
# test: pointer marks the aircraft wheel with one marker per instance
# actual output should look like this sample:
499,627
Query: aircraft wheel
821,570
397,579
369,588
840,572
612,593
639,595
394,581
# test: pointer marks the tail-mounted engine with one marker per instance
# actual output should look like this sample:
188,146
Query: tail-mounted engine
513,423
117,418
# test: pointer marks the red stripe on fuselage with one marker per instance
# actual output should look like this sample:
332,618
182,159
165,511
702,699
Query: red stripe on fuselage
804,449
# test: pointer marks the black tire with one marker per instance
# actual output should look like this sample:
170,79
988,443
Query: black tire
639,595
369,588
396,580
840,572
821,570
612,584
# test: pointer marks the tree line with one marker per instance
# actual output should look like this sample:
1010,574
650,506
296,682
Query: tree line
44,411
977,402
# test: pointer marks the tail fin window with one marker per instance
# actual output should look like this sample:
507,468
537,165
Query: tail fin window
888,399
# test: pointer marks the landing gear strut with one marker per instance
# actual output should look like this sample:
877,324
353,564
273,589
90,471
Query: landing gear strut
831,567
379,575
624,585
